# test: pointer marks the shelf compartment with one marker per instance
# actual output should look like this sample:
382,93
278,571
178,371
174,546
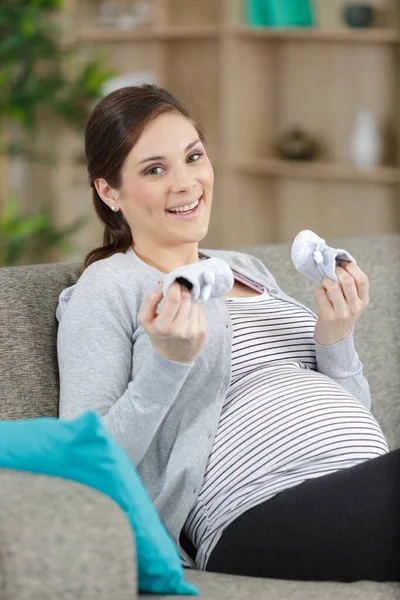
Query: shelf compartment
182,12
313,34
318,170
110,34
193,77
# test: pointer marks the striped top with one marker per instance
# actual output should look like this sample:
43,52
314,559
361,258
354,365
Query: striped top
281,423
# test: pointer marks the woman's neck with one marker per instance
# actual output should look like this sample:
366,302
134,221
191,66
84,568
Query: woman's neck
166,262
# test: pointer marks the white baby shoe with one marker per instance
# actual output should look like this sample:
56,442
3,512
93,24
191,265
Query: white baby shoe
206,279
313,258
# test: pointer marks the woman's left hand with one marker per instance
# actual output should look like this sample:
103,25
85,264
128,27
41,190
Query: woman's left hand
340,304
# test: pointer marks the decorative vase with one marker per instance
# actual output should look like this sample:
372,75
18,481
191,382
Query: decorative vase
365,144
295,144
358,15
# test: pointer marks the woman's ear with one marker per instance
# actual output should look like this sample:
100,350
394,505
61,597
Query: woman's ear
106,193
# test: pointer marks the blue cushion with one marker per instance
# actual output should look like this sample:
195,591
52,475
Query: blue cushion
84,451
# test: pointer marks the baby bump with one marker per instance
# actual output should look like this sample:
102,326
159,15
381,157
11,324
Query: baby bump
293,418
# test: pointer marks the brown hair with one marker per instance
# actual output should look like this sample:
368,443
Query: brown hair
113,128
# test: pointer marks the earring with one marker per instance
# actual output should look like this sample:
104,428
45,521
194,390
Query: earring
114,208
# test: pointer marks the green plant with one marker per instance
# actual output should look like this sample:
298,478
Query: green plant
39,72
27,239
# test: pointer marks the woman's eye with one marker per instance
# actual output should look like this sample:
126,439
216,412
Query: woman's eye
153,171
157,170
195,156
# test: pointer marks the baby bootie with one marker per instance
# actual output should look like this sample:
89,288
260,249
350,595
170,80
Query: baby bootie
313,258
206,279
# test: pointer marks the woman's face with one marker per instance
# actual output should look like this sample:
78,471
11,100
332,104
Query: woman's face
167,167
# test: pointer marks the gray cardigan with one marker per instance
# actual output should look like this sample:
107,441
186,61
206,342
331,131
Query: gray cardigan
163,413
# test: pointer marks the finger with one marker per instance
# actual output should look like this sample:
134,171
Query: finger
335,294
361,279
323,300
193,320
183,313
348,284
148,313
171,305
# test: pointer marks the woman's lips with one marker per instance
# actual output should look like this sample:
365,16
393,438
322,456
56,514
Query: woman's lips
191,215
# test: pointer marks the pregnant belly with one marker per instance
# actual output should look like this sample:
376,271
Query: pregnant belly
286,418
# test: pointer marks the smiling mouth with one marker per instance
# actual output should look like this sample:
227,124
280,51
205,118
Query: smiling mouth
181,211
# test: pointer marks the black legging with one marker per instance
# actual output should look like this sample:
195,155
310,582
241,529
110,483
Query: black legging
339,527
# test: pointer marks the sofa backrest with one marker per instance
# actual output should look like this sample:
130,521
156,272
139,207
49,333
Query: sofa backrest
28,327
29,384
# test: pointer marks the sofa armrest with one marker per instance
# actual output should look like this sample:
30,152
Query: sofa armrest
62,540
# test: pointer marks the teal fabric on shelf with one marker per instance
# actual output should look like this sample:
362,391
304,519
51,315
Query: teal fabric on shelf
255,13
280,13
84,451
292,13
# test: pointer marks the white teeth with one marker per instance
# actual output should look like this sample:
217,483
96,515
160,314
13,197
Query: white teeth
185,208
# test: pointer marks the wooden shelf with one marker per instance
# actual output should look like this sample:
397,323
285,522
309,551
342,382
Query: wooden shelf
307,34
313,34
317,170
110,34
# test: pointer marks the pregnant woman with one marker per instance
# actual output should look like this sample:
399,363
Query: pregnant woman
247,416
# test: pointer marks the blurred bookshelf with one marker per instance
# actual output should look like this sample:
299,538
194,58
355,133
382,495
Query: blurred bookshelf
369,35
178,32
318,170
248,85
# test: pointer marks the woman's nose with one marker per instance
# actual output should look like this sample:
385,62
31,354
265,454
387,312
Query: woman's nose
182,180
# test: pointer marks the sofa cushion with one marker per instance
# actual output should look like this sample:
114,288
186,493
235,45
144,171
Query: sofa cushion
84,451
216,586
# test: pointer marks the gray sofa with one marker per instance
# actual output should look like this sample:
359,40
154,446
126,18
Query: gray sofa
61,540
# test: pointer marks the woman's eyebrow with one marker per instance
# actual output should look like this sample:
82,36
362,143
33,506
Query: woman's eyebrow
163,157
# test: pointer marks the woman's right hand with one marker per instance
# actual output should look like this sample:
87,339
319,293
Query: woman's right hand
180,330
